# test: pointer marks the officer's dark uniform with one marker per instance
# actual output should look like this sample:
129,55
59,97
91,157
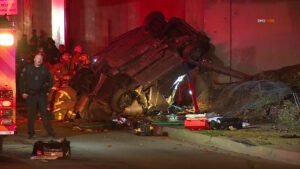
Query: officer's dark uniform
36,82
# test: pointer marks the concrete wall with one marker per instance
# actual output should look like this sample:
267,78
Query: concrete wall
33,14
94,23
265,34
256,45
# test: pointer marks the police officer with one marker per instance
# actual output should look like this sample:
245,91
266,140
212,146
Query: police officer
35,85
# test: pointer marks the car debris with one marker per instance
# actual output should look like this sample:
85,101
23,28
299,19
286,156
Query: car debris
143,128
119,121
226,123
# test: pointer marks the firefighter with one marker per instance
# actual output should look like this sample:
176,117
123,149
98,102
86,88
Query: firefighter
35,85
75,58
63,68
84,62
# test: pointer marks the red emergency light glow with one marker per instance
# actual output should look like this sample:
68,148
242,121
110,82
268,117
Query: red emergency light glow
5,103
6,39
6,122
6,94
6,112
8,81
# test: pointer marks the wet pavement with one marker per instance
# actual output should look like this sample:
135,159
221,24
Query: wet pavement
121,149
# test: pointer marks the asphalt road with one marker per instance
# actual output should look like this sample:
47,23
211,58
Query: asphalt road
124,150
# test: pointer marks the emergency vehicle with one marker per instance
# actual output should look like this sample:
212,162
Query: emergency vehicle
7,82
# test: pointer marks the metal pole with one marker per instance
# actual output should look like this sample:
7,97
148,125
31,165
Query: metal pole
191,85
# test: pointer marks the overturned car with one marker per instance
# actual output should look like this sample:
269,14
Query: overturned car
139,67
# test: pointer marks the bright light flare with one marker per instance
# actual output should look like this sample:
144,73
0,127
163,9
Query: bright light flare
177,81
5,103
95,60
6,39
58,21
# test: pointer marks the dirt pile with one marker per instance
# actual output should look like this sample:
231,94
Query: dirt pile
242,99
269,99
289,75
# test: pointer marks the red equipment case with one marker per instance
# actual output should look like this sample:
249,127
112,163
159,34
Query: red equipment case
198,124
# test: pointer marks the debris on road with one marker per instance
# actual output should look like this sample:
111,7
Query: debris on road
77,128
225,123
51,150
143,128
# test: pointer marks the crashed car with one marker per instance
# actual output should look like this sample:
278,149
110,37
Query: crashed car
140,67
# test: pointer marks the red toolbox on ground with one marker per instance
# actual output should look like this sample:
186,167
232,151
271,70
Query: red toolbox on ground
199,124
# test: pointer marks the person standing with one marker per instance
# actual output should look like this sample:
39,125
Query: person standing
62,50
75,58
33,43
35,85
51,51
